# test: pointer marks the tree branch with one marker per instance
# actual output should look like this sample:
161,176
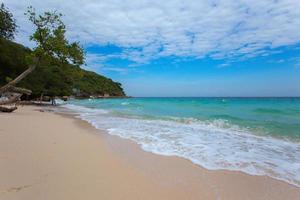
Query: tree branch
11,84
20,90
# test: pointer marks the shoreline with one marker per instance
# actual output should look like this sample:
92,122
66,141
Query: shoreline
224,145
118,141
141,174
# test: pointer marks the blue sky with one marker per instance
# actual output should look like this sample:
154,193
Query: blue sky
184,48
276,74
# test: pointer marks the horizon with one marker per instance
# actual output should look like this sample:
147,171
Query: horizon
182,48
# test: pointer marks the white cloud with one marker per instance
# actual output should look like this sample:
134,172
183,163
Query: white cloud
149,29
123,71
297,62
95,62
224,65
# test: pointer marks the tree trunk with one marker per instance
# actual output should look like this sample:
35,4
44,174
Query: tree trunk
7,109
41,97
10,85
20,90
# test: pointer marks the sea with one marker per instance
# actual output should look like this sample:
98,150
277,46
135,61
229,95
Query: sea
257,136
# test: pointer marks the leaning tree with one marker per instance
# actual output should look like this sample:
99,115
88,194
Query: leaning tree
51,46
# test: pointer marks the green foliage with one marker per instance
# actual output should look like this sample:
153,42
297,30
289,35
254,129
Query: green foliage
57,61
8,79
52,79
12,59
51,41
7,23
91,83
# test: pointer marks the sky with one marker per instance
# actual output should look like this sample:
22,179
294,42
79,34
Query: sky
183,47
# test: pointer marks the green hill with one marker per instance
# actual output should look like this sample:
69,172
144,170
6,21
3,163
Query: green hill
50,79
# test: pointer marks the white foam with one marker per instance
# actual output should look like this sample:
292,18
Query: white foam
81,110
213,145
60,102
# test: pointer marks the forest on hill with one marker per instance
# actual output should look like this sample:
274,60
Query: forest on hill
50,79
52,67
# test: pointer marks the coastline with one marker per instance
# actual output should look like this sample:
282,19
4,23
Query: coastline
55,156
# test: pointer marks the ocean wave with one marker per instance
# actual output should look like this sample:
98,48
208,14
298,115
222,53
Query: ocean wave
82,110
269,111
214,144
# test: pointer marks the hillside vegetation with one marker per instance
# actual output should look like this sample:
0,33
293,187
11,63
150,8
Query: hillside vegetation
51,78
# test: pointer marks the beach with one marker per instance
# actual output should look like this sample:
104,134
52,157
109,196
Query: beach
44,155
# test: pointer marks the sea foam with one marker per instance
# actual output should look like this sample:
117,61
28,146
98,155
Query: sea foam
213,145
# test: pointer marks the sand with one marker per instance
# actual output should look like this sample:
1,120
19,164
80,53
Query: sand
44,156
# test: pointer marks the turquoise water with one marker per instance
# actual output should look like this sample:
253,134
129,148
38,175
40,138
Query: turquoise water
259,136
278,117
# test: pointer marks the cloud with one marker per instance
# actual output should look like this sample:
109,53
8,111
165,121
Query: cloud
123,71
97,62
297,63
94,61
224,65
147,29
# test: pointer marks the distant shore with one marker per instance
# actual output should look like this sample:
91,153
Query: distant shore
45,155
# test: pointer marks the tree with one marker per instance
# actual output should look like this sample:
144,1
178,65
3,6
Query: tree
51,41
7,23
51,46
